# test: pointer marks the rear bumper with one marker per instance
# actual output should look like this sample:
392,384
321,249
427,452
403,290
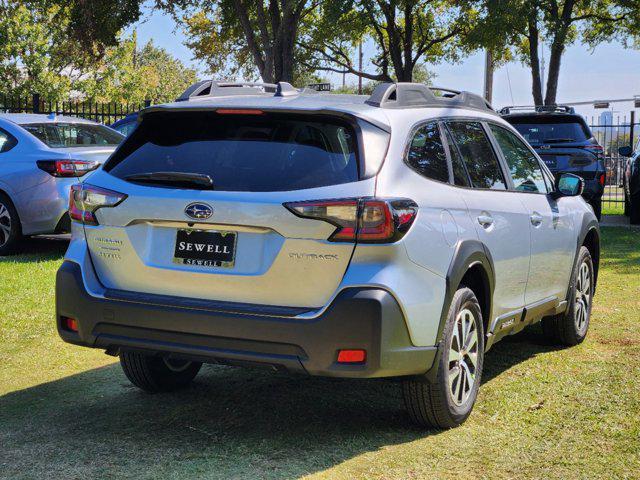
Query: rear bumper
358,318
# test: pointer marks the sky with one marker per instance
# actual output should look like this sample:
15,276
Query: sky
607,72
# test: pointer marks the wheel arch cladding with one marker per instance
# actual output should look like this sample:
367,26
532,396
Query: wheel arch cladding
471,266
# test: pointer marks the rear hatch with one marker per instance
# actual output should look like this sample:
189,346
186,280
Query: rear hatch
235,241
564,142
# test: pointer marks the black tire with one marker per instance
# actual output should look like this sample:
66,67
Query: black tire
430,401
10,228
570,328
597,208
634,210
156,374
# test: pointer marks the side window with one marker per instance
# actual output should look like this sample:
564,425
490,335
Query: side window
525,170
478,155
426,153
7,141
460,175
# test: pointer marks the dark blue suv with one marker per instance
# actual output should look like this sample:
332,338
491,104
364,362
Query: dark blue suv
565,143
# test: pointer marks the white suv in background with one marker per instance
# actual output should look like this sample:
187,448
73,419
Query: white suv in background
397,235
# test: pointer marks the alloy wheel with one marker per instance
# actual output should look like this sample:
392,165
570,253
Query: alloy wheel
583,298
463,357
5,224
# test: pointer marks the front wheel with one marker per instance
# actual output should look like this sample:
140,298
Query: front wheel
447,400
156,374
570,328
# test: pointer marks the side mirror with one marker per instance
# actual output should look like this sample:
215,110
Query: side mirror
625,151
569,185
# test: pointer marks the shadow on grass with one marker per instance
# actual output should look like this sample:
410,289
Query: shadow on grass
231,423
37,249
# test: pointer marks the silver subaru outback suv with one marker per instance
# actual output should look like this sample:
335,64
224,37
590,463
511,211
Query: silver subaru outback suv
396,235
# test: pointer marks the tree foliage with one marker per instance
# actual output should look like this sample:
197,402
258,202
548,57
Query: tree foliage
406,33
38,55
521,27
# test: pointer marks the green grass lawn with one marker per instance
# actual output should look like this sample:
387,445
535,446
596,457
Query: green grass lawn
543,412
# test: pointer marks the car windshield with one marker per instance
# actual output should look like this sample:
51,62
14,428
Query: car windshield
539,133
62,135
242,152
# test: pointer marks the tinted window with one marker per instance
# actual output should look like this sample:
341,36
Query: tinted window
58,135
460,176
125,128
427,155
477,155
548,130
7,141
249,153
525,170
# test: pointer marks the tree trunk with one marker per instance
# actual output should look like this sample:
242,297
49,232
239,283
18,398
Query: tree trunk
536,86
557,49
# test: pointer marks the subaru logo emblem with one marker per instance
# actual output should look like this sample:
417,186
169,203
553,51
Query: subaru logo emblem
198,211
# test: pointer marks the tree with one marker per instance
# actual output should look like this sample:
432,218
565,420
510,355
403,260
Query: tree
524,25
242,35
406,33
127,74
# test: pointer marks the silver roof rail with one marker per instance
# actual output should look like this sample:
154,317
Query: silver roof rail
418,95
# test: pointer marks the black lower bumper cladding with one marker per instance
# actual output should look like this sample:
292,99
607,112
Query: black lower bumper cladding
359,318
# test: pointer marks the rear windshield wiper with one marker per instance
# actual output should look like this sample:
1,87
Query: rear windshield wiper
174,179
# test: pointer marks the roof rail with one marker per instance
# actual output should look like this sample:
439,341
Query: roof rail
215,88
418,95
538,109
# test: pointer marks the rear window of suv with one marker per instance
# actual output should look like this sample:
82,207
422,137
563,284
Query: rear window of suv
542,130
242,152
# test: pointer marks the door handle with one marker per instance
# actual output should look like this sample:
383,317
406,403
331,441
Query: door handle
485,220
536,219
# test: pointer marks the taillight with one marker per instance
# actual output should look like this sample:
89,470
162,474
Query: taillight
602,179
85,199
596,149
366,220
67,168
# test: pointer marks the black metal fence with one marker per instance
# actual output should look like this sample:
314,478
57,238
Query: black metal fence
613,130
106,113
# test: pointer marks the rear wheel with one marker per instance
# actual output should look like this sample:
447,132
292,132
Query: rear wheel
570,328
10,229
447,400
156,374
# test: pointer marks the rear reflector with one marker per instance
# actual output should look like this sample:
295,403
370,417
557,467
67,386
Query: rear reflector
365,220
352,356
70,324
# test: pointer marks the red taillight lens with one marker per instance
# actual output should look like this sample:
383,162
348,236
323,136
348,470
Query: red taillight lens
85,199
602,179
366,220
67,168
596,149
352,356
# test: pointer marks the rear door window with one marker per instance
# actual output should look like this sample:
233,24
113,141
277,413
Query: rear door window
242,152
525,169
427,155
477,154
